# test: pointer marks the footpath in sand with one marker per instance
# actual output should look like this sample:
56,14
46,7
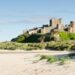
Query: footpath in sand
25,63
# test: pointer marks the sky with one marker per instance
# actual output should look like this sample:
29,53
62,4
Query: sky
17,16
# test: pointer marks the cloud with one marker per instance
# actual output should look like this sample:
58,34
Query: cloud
29,20
65,11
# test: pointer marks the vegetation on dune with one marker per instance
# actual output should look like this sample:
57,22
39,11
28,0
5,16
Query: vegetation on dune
37,38
41,41
67,36
53,45
52,59
34,38
21,38
72,36
20,46
64,60
64,36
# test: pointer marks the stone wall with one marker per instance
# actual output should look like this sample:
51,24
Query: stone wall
54,24
45,30
72,27
33,32
55,21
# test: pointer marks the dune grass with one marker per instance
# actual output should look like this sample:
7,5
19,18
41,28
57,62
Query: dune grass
52,59
60,45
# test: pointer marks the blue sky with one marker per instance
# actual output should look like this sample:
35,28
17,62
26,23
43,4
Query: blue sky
19,15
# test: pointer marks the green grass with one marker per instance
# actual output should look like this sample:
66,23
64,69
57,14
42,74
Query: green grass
64,60
60,45
67,36
43,57
53,59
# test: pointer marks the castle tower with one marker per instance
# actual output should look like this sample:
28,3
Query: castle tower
72,28
55,21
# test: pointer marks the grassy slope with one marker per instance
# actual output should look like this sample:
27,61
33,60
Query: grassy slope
61,45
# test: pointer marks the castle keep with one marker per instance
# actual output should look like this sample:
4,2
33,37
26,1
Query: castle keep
54,25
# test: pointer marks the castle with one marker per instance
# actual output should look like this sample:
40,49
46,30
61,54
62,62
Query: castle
54,25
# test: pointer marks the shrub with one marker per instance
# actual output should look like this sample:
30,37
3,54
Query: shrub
51,59
64,36
61,45
21,38
67,36
43,57
64,60
71,36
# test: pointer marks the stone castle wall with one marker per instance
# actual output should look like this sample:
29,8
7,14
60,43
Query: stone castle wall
54,24
73,26
55,21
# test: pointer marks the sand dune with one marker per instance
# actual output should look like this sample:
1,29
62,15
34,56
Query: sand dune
28,64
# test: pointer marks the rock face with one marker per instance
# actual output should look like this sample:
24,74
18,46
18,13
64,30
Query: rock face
57,37
55,34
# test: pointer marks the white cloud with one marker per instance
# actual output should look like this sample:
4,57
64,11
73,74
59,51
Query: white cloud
65,11
29,20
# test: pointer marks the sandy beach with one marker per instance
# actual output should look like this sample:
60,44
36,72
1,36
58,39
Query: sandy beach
26,63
